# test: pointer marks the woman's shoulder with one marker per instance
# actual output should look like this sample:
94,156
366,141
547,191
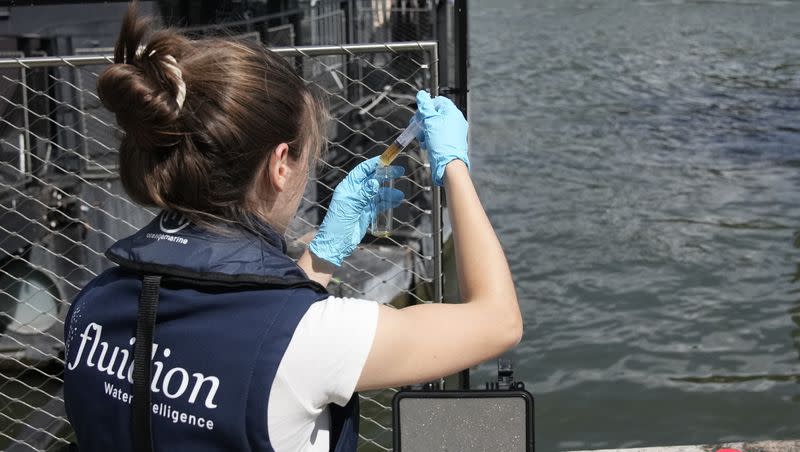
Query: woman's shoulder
340,319
343,309
329,348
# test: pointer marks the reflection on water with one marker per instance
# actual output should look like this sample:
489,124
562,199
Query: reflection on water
640,160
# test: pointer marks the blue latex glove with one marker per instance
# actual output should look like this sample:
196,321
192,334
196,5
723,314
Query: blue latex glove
444,132
351,211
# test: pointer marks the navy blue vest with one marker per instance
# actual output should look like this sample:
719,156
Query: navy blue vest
228,307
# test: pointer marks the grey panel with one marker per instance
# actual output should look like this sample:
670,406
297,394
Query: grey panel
462,425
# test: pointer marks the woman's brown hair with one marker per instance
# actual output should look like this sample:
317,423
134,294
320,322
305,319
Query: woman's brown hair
201,117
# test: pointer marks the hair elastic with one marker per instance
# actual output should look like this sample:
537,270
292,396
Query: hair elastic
171,66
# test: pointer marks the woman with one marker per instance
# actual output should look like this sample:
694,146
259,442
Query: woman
248,351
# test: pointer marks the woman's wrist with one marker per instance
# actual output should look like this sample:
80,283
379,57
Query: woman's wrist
454,166
317,269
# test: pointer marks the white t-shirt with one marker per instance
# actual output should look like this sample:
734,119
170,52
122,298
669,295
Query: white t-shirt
322,365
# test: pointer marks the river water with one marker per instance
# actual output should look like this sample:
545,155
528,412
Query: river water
641,163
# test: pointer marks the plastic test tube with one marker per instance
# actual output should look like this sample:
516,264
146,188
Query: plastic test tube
382,222
401,142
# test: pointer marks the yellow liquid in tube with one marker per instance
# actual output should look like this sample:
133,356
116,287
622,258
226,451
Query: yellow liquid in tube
390,154
400,143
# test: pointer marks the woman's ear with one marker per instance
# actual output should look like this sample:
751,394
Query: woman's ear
279,168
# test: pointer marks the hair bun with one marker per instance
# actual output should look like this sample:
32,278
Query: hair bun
143,107
145,87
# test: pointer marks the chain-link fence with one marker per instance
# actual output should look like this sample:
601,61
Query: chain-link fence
62,205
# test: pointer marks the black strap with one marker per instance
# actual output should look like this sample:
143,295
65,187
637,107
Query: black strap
142,351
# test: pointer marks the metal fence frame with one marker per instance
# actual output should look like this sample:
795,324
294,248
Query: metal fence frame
36,434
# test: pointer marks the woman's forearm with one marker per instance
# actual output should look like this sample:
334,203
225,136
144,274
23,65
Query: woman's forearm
483,272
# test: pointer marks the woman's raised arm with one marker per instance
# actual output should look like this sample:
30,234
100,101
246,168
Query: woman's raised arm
424,342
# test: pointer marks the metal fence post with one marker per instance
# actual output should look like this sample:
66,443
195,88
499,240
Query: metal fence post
461,56
461,85
438,226
436,220
25,157
82,118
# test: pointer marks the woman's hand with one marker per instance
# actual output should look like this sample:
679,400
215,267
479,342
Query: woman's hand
351,211
444,133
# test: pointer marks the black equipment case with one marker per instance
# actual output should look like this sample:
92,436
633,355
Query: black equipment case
498,418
